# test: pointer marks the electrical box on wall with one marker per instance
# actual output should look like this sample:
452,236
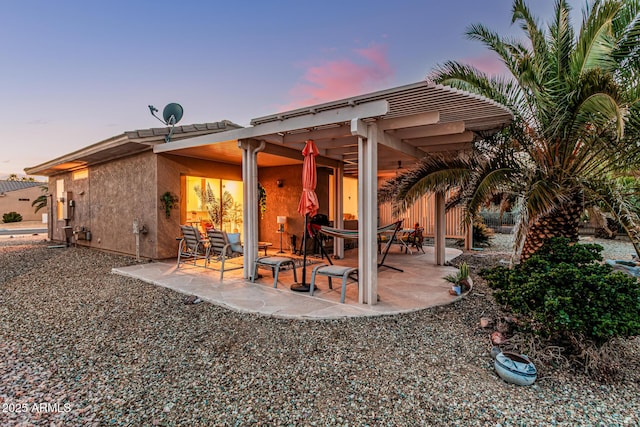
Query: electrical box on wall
67,205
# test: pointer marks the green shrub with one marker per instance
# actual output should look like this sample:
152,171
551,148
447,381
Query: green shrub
11,217
481,233
564,292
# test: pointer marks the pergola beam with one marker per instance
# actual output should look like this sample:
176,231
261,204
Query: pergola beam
446,147
291,153
428,118
466,136
318,135
429,130
395,143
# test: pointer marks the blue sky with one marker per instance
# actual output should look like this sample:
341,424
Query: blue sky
74,73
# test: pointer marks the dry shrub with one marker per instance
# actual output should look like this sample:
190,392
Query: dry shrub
615,360
539,351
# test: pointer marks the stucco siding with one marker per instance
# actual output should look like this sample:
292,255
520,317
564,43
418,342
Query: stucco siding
122,191
20,201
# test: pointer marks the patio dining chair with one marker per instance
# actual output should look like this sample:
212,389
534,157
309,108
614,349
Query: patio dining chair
222,248
192,246
415,238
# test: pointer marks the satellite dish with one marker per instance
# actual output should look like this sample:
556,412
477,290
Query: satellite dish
172,113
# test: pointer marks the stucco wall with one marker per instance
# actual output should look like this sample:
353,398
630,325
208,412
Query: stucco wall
11,202
122,191
284,201
117,192
108,200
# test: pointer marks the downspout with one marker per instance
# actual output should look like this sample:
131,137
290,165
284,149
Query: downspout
50,217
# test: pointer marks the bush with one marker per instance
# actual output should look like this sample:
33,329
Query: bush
11,217
481,233
564,293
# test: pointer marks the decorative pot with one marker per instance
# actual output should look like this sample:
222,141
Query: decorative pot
515,368
457,289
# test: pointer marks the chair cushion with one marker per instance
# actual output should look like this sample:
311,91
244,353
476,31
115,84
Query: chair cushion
234,239
273,260
334,270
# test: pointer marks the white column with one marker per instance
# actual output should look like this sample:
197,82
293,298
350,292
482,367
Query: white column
440,228
250,211
368,215
338,214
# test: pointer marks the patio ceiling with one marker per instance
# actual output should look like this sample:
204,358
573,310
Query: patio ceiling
413,121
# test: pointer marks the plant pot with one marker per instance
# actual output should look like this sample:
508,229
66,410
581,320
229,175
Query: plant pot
515,368
457,289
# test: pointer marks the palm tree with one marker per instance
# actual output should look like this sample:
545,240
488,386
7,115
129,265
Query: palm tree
575,100
40,202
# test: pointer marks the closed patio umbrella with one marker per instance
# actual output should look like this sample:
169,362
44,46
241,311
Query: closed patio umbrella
308,205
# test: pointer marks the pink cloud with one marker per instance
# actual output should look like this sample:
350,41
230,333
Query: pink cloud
341,78
488,63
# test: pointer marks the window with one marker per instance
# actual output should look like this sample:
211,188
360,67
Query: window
81,174
213,202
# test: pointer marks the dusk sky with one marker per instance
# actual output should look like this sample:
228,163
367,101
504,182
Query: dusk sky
74,73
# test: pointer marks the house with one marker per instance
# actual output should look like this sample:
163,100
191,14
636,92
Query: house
17,196
115,189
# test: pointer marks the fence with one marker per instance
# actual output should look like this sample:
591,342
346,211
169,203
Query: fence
499,223
505,224
423,212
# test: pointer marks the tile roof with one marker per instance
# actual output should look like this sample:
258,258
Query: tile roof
7,186
127,143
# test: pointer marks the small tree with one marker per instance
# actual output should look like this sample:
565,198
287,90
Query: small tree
41,201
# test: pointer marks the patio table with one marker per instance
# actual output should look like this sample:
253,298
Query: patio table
264,245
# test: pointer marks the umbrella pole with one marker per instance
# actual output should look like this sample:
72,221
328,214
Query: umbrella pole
303,287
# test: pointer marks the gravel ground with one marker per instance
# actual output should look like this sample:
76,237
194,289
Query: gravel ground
80,346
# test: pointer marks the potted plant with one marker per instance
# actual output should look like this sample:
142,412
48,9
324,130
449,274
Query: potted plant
169,201
459,281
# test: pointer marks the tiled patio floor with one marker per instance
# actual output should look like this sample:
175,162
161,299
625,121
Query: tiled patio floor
420,286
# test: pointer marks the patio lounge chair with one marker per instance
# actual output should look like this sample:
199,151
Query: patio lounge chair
192,246
221,249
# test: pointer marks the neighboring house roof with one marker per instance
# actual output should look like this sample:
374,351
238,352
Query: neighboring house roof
125,144
7,186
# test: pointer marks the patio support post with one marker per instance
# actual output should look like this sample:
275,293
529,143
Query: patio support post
440,228
338,243
468,238
250,211
367,212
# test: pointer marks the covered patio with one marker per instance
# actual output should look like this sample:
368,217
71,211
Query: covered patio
366,136
420,286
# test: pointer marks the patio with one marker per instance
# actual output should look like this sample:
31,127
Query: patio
420,286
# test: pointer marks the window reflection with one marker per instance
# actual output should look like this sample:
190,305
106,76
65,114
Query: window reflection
212,202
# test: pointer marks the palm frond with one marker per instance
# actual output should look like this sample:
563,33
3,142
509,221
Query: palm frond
529,24
561,38
596,42
626,28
